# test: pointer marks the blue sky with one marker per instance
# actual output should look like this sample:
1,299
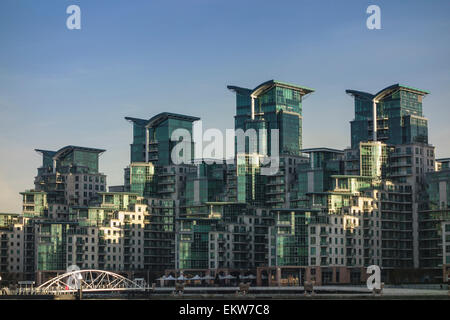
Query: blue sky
137,58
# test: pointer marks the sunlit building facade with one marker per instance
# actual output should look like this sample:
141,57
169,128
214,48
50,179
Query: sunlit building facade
324,215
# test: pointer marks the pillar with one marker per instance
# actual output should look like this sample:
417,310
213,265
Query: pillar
258,277
374,110
278,276
333,277
253,107
147,141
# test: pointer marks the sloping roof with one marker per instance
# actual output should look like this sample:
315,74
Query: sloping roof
386,92
362,94
47,153
389,90
240,90
320,149
272,83
168,115
263,87
160,118
141,122
68,149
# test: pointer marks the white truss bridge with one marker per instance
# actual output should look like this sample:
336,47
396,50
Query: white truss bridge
89,281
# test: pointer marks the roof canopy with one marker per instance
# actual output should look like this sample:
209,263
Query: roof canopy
160,118
321,150
389,90
66,150
264,87
46,153
386,92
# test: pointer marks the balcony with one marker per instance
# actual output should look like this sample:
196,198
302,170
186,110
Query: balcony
274,200
276,191
166,182
400,154
166,174
400,164
166,190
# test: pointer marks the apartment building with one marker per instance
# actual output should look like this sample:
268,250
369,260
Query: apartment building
324,215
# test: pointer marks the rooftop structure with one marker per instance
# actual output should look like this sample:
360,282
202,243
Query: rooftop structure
272,105
152,138
398,115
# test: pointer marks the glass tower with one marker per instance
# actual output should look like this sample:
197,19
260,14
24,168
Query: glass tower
399,115
152,138
272,105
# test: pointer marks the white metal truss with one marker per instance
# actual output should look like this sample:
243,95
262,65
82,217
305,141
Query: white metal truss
88,281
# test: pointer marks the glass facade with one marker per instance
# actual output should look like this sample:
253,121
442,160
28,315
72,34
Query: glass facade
34,204
117,200
292,237
51,251
159,235
373,159
206,184
399,116
434,212
279,106
143,179
250,182
160,129
86,161
315,175
193,243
